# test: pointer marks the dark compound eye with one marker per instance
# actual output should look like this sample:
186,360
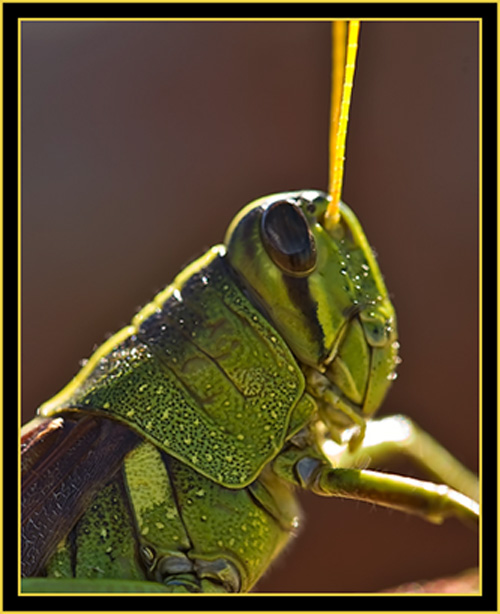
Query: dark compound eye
287,238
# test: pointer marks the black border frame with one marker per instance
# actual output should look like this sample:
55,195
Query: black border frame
487,12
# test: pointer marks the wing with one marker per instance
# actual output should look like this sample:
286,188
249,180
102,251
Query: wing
64,462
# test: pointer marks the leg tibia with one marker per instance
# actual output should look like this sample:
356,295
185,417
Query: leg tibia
399,435
431,501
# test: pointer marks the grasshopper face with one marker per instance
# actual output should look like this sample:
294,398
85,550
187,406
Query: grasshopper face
323,291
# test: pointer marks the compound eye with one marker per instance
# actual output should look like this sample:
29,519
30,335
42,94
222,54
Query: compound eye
287,238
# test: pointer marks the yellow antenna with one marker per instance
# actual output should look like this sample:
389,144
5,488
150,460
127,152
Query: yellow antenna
344,50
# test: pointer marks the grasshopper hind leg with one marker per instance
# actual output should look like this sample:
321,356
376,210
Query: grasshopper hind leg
197,535
174,542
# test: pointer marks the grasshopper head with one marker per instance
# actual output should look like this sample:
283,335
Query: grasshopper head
322,291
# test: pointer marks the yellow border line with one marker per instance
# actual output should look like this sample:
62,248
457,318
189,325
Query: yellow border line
242,20
238,20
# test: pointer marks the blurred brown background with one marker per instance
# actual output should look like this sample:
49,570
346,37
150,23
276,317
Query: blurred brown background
142,140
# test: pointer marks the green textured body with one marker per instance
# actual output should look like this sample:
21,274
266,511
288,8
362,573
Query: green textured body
207,380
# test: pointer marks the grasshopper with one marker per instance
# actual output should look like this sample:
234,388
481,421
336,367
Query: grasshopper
356,440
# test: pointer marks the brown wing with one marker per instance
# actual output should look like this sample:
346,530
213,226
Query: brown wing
64,462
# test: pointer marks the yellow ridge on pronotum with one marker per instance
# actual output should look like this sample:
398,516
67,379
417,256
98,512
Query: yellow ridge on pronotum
344,50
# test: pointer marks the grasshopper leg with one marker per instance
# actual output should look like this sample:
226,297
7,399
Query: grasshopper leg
434,502
399,435
309,469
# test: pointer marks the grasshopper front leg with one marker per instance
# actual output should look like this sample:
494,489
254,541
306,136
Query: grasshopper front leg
309,469
434,502
399,435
